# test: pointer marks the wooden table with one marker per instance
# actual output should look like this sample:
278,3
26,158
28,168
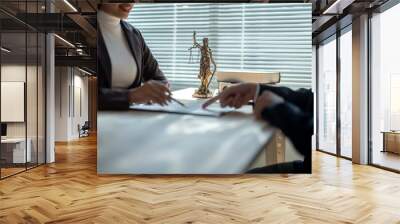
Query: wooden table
141,142
391,141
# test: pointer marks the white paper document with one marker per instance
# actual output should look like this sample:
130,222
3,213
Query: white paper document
192,107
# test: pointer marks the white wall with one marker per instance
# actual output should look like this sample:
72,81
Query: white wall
34,125
62,81
71,96
16,73
12,73
82,83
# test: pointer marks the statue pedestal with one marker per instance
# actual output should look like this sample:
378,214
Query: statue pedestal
202,94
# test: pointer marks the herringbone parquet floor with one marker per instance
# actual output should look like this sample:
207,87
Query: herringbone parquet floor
69,191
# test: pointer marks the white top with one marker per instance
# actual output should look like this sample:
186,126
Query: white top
123,64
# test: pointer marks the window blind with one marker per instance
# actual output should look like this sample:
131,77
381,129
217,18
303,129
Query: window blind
251,37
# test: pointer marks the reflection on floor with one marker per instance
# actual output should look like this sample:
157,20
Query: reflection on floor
9,170
387,159
70,191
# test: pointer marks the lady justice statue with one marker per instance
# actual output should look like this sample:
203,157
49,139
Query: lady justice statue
205,74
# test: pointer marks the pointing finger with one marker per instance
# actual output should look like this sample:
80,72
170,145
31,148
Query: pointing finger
210,101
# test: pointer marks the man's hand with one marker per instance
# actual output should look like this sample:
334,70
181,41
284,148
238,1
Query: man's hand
151,92
234,96
266,100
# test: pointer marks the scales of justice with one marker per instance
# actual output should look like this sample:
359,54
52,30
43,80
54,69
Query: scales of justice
205,75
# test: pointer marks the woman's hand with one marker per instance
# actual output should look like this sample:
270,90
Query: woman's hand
234,96
265,100
151,92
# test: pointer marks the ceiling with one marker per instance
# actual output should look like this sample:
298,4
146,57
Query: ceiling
74,22
329,15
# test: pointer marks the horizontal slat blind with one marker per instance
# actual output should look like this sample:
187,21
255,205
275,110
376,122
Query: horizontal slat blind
251,37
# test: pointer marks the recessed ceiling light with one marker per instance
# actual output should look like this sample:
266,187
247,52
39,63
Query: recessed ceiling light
337,7
65,41
70,5
84,71
5,50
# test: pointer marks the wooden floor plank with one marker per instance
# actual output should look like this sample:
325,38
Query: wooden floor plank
70,191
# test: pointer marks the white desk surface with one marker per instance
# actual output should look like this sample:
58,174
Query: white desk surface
140,142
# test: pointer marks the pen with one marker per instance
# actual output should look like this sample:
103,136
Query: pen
177,101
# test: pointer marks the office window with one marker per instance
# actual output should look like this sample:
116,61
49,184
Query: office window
266,37
327,95
314,89
346,93
385,87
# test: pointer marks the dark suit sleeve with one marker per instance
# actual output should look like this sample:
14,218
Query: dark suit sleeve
151,70
294,117
295,124
299,98
113,99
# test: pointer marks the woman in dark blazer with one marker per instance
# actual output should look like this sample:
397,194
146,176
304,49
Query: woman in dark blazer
127,70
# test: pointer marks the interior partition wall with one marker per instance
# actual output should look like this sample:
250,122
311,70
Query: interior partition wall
23,88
